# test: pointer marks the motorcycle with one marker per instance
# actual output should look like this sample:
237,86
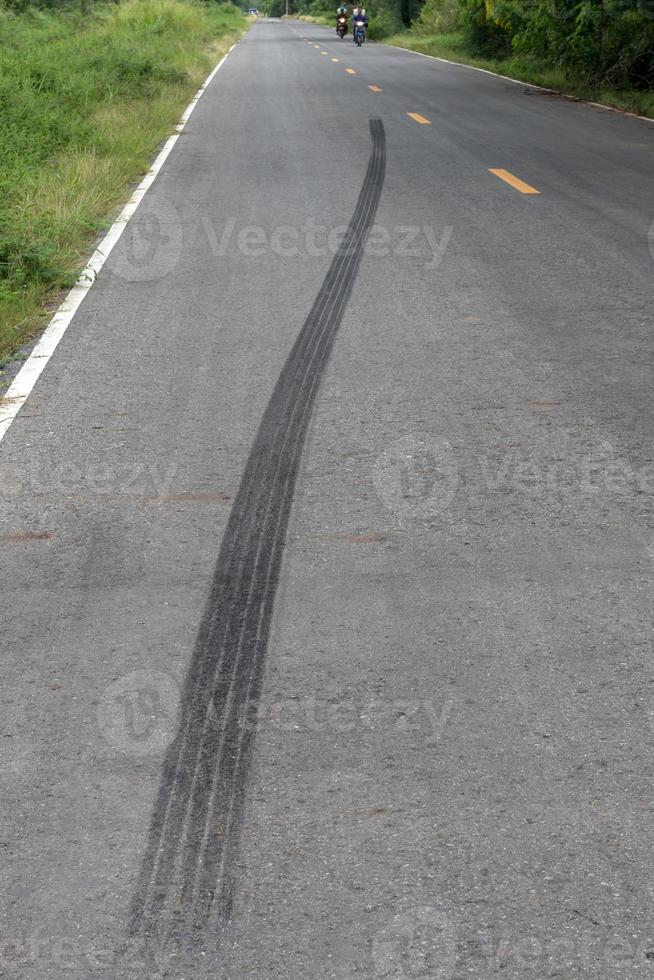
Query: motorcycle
341,27
359,33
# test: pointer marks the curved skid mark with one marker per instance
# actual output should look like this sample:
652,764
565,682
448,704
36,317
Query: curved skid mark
186,878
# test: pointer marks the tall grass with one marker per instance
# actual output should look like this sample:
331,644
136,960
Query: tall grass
84,102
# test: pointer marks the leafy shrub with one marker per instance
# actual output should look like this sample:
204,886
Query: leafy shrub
484,34
438,17
598,43
382,24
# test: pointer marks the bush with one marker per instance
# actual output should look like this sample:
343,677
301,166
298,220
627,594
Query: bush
438,17
596,43
382,24
483,33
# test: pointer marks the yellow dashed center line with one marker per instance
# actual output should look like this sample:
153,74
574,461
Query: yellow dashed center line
323,52
514,181
374,88
419,119
334,59
350,71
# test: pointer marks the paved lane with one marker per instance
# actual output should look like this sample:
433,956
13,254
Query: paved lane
452,761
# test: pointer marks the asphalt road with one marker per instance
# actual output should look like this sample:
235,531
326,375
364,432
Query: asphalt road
328,549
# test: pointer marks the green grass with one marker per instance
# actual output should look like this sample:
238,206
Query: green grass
322,19
84,103
453,48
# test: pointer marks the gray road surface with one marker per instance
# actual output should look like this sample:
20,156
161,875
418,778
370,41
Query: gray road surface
442,765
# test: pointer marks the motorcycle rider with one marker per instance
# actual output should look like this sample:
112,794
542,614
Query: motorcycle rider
341,12
358,13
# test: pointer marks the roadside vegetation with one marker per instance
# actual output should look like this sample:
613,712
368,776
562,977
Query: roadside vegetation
602,50
86,96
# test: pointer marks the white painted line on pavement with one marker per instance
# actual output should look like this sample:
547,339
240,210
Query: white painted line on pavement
17,393
516,81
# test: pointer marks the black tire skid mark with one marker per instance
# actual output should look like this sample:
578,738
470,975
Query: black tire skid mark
186,879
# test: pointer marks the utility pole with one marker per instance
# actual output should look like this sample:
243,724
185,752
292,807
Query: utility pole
287,7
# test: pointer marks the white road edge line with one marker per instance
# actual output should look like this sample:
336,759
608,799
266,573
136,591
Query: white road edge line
516,81
21,387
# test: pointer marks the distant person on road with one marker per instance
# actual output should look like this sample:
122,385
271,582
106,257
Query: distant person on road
358,13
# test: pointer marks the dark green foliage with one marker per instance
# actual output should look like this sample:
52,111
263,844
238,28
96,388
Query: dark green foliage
28,262
485,34
602,42
439,17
